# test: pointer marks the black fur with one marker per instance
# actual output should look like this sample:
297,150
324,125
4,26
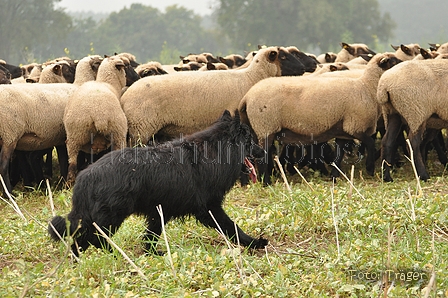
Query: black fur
187,177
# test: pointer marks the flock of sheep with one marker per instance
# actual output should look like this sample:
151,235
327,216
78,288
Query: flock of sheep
287,96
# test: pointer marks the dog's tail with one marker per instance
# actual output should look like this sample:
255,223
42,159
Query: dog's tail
57,228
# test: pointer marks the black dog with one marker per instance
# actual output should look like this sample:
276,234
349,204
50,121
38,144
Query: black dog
187,177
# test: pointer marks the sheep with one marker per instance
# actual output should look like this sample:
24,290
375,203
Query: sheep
201,58
233,60
151,68
351,51
93,112
5,75
193,65
407,52
59,72
186,102
415,93
132,60
330,67
214,66
32,115
308,61
441,49
328,57
15,71
316,109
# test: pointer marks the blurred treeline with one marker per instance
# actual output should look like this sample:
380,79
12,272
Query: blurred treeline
35,30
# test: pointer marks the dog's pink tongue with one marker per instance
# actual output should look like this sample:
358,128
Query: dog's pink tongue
252,173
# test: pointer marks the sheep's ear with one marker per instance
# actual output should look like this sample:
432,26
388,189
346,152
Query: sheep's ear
272,56
161,71
394,47
333,67
176,68
181,57
405,49
434,46
211,66
366,57
425,53
57,69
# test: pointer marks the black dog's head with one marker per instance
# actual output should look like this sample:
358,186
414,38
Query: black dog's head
243,136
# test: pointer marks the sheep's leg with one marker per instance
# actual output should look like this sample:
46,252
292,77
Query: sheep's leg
72,151
229,228
62,160
340,143
416,139
433,137
5,157
389,144
266,165
369,144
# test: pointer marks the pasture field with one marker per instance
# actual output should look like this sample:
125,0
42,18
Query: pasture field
327,239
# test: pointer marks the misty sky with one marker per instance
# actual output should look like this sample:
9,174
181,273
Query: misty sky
201,7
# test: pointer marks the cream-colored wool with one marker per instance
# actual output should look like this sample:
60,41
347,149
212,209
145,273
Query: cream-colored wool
351,51
328,57
185,102
94,112
315,108
32,116
407,52
52,73
415,89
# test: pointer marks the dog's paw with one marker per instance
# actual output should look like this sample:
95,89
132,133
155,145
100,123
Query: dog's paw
259,243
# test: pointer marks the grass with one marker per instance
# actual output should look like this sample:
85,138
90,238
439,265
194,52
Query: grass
326,240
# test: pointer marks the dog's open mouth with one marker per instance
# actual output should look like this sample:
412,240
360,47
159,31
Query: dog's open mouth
251,170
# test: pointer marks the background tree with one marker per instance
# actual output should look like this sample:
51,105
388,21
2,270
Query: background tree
317,24
31,30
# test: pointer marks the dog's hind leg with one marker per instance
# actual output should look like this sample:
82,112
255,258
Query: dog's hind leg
228,227
152,235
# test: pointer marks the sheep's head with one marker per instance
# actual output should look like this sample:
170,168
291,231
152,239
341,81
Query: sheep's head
5,75
233,61
151,68
280,60
407,52
309,62
386,60
356,49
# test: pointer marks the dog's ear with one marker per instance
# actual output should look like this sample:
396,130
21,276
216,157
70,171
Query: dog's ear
237,116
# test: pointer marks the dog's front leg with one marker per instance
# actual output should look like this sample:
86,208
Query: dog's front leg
152,235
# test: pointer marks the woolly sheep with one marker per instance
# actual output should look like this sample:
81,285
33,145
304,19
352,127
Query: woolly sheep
351,51
416,92
15,71
441,49
406,52
150,68
214,66
5,75
308,61
32,115
186,102
132,60
193,65
59,72
94,112
327,57
233,60
315,109
201,58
